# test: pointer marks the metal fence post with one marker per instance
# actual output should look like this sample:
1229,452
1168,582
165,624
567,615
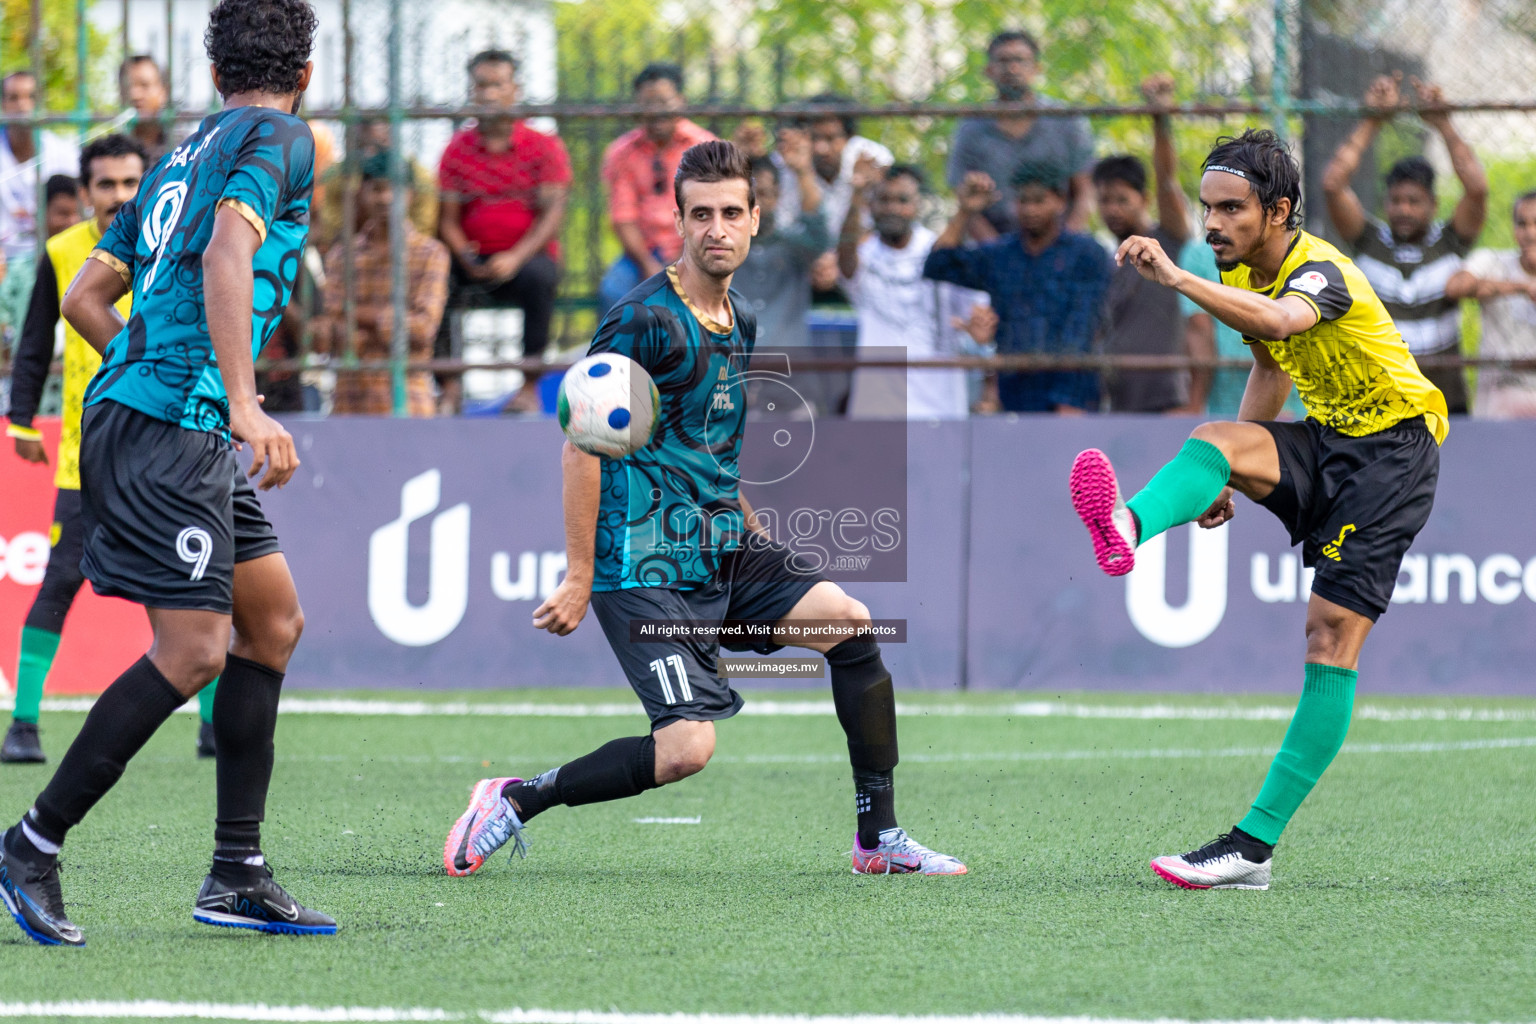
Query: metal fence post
399,347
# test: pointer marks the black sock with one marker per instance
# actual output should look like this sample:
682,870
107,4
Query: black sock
1259,848
244,719
122,720
617,769
866,709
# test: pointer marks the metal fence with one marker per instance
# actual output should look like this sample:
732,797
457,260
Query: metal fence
910,70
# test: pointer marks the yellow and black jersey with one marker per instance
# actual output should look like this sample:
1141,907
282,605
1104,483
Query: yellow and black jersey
67,253
1352,369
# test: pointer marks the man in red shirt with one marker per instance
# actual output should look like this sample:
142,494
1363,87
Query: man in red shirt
638,167
503,187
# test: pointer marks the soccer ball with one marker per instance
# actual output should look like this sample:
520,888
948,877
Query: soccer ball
608,405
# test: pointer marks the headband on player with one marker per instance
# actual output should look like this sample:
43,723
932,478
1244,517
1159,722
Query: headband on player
1227,170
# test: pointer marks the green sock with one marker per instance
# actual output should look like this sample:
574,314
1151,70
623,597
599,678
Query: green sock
205,701
1315,735
1182,490
38,646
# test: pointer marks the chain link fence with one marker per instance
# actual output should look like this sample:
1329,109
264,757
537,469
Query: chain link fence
391,75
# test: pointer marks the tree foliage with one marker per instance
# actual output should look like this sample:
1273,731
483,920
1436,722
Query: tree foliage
61,72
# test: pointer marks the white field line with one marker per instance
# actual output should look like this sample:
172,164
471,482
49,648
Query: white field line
821,708
1007,756
154,1009
696,819
158,1009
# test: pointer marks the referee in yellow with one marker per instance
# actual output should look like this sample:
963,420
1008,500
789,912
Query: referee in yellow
1353,483
110,170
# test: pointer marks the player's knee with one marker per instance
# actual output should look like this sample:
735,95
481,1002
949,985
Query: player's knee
683,753
192,663
1328,642
1214,432
853,613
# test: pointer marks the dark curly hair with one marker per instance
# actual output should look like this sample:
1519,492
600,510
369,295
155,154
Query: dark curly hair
260,45
1263,158
109,145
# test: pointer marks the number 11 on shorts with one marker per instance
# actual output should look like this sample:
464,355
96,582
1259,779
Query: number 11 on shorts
675,661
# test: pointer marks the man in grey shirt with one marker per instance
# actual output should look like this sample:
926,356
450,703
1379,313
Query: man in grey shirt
775,280
999,146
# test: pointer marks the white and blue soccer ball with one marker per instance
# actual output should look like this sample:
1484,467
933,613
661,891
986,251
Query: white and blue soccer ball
608,405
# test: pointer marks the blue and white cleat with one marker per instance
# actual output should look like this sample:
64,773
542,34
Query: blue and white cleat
900,854
262,906
485,827
32,895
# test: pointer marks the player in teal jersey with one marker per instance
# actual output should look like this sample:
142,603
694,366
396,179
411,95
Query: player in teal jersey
667,534
210,247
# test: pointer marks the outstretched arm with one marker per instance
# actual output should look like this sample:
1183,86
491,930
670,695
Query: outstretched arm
1344,207
1255,315
1472,211
1172,207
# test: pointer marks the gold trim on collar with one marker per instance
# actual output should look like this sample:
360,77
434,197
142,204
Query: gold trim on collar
710,325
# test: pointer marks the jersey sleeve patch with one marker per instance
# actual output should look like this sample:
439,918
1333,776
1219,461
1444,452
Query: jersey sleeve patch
1321,283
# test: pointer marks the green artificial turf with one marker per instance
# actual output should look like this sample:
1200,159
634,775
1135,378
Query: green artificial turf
1405,888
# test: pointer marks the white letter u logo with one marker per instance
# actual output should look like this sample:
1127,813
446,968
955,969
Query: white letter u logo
388,555
1146,589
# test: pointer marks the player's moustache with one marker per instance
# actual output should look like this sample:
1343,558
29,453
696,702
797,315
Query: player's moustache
1216,237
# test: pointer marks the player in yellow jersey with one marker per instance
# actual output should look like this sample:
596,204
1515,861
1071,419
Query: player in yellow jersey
1353,483
110,168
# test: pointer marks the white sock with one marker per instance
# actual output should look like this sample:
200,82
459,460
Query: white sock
43,845
255,860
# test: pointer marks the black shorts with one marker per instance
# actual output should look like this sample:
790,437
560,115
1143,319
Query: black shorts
62,579
1354,504
166,511
677,678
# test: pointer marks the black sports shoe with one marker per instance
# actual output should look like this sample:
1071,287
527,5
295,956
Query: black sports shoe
31,893
21,744
205,744
262,905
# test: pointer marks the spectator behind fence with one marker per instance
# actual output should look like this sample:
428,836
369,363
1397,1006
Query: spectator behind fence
638,168
142,88
1504,284
1142,318
836,146
21,162
999,146
503,187
775,280
897,306
371,392
1409,256
61,210
1047,286
327,227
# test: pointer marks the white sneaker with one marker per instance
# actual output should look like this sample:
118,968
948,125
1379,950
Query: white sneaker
899,854
1228,862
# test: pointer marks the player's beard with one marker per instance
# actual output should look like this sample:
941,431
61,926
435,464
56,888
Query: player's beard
1225,266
